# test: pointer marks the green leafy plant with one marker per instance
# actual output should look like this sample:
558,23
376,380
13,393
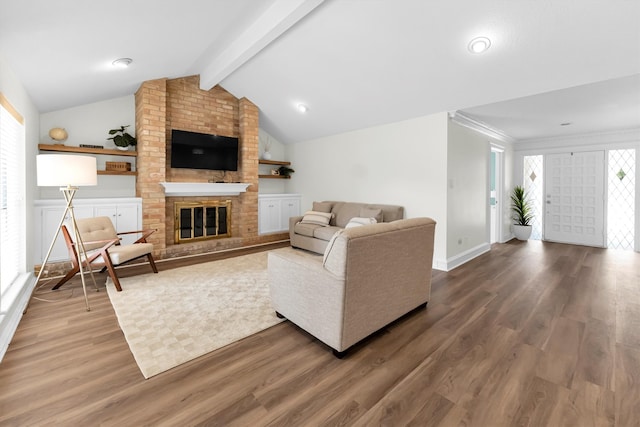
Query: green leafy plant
285,171
520,206
121,138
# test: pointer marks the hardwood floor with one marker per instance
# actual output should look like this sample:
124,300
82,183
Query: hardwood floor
530,334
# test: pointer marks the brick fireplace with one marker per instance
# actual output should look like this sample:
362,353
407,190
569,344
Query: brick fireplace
165,104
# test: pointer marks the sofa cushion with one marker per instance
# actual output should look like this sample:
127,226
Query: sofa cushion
325,233
314,217
306,229
322,206
368,212
344,211
359,222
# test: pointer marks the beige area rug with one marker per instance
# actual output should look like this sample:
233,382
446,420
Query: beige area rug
177,315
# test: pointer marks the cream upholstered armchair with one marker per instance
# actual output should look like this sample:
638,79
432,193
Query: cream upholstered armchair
104,251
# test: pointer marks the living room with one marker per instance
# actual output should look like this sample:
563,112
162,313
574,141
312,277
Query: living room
398,136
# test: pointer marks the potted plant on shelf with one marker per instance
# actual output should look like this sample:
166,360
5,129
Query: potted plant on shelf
522,213
122,139
285,171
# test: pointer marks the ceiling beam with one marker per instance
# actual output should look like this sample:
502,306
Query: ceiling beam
277,19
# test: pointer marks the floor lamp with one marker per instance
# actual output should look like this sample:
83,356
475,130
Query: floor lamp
67,172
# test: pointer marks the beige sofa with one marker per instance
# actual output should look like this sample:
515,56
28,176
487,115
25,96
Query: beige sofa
314,237
368,277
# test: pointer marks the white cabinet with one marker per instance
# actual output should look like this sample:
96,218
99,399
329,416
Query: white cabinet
126,214
274,211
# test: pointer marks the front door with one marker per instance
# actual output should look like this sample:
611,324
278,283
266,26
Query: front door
574,198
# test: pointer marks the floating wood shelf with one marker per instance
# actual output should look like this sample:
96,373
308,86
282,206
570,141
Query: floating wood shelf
87,150
275,176
273,162
133,173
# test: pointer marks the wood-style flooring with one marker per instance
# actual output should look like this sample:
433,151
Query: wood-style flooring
529,334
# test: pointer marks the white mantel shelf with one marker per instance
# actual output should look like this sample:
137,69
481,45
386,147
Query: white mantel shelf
204,188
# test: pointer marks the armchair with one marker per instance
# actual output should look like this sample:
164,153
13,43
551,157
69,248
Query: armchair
103,248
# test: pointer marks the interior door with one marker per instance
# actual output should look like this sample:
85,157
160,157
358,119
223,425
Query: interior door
574,201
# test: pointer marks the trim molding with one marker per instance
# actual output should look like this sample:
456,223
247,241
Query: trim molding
466,256
18,300
479,126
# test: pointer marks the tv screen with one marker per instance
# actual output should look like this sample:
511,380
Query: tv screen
192,150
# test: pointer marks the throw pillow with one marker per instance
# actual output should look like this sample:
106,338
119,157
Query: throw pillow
359,222
327,251
322,206
318,218
372,213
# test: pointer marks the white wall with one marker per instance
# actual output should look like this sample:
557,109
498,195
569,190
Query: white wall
402,163
90,124
13,303
278,152
468,191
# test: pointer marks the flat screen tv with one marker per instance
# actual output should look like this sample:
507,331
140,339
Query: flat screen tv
192,150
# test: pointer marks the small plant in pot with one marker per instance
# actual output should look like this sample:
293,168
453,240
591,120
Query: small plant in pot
522,213
285,171
121,138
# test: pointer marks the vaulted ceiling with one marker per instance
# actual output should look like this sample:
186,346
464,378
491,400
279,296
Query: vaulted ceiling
354,63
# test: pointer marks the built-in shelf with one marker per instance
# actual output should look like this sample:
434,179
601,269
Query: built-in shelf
204,188
132,173
275,176
273,162
86,150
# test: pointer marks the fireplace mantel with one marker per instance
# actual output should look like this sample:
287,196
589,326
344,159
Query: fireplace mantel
204,188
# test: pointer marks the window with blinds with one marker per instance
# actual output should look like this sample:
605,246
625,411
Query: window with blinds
12,195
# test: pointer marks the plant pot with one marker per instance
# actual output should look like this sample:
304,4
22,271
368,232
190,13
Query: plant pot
266,155
122,148
522,232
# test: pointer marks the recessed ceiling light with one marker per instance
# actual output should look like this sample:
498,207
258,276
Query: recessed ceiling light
479,45
122,62
302,108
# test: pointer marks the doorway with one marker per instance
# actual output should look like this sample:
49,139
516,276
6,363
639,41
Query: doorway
495,195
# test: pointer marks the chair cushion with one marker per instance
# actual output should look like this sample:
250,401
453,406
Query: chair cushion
123,253
93,229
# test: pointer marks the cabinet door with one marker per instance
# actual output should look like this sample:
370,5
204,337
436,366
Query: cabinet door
49,221
268,215
289,207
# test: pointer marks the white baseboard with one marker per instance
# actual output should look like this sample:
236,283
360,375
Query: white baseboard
13,304
457,260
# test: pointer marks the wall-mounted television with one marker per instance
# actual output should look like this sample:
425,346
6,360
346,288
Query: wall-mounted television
193,150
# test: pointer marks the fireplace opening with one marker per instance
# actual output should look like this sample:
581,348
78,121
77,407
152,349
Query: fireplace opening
202,220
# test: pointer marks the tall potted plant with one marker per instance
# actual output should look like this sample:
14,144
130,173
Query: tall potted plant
522,213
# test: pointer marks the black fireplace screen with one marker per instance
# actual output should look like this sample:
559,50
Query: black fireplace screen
198,221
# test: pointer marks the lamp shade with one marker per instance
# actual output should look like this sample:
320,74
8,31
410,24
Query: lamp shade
58,170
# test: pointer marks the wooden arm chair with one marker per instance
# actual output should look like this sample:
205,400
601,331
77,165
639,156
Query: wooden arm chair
103,248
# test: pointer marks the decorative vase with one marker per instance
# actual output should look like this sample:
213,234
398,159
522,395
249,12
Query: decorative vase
522,232
266,155
59,135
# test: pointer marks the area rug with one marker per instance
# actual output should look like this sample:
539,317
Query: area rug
176,315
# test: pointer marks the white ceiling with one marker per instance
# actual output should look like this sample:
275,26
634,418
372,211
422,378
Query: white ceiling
355,63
